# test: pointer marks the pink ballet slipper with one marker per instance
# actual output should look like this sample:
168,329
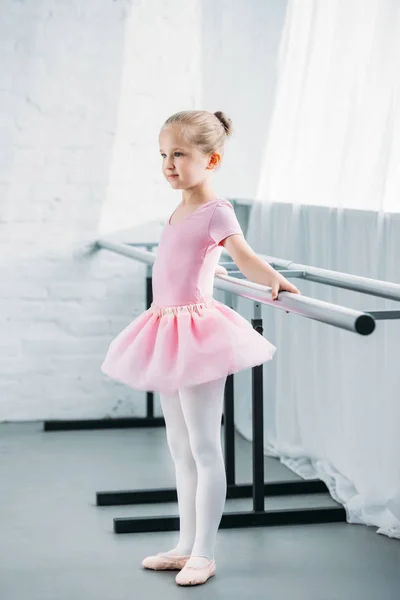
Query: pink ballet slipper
163,562
196,575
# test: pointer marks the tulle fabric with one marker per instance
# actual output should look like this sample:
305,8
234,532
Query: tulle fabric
167,348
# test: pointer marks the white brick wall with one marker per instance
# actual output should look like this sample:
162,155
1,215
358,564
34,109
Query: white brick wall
85,87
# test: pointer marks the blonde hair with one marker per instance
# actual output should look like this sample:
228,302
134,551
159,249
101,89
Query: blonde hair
205,130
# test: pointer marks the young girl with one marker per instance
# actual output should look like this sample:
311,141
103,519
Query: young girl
187,343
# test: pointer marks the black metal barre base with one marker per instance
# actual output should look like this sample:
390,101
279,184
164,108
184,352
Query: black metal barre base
234,491
103,423
235,520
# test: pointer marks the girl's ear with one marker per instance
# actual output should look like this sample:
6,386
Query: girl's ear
215,159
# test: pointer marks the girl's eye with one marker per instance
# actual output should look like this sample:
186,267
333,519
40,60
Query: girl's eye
180,153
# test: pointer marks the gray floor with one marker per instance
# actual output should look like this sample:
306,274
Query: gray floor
55,544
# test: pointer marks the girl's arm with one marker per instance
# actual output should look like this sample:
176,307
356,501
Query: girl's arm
255,268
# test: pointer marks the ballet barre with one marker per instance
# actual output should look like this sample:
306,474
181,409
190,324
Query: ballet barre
360,322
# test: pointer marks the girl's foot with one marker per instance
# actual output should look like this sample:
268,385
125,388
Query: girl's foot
196,571
198,562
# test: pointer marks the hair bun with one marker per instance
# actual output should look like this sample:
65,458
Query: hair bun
226,121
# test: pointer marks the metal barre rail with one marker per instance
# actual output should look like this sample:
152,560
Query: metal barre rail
356,283
325,312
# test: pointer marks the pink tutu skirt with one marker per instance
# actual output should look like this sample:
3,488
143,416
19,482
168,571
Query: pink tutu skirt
165,349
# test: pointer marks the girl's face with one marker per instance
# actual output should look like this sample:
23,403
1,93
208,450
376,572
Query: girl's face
188,165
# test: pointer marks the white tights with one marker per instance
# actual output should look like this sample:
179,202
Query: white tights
193,426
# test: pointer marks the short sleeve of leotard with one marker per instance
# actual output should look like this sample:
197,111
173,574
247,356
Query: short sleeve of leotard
223,222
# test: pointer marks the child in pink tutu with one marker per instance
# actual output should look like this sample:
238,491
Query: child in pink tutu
187,343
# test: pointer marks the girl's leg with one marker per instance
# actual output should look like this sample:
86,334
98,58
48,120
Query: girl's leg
185,471
202,409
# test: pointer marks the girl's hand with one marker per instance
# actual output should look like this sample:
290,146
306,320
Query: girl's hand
220,270
280,284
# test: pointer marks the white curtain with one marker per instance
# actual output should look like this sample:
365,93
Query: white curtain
329,196
334,138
